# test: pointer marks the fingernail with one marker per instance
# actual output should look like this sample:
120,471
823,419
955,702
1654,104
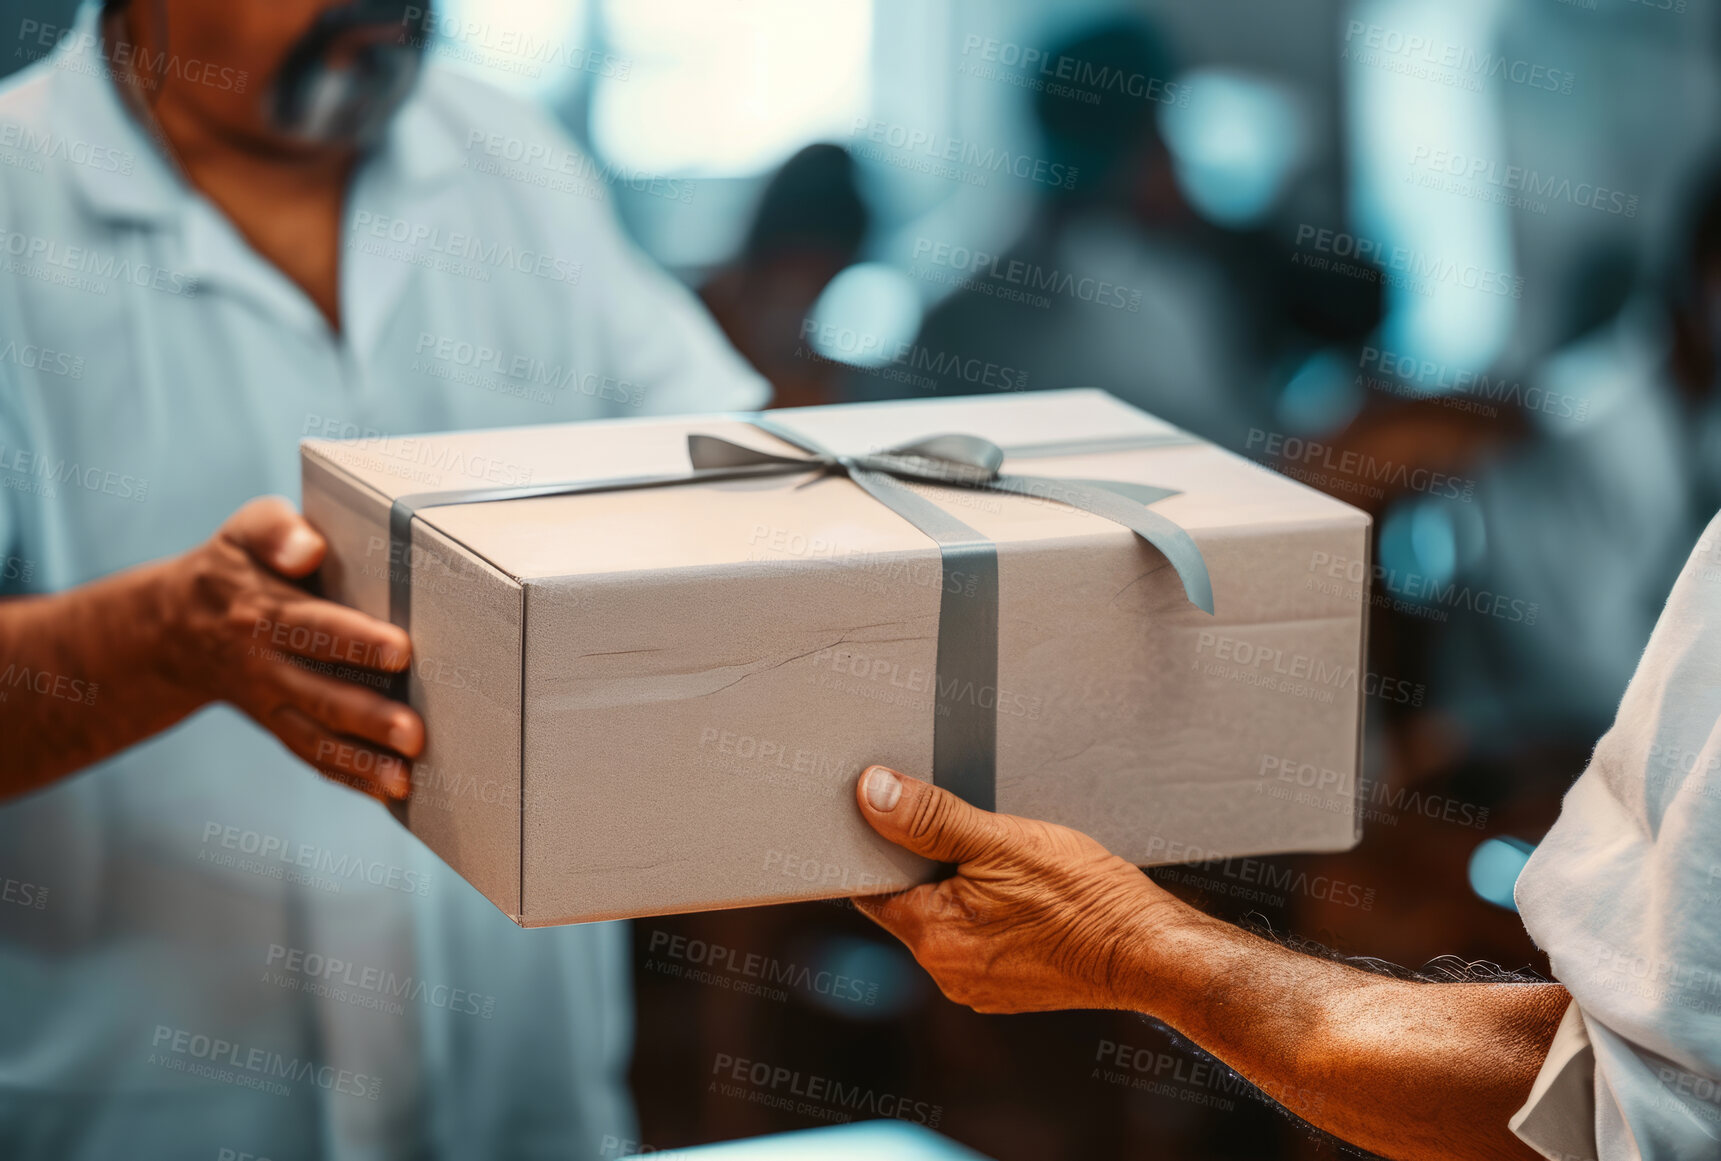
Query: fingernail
401,734
297,550
883,789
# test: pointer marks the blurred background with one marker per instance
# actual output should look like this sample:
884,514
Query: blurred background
1457,262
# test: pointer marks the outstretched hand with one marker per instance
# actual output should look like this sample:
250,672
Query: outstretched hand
1038,917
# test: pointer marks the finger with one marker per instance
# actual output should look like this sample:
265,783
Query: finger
274,533
343,707
382,776
924,819
324,631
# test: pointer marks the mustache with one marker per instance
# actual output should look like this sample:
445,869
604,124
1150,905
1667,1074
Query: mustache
379,44
405,25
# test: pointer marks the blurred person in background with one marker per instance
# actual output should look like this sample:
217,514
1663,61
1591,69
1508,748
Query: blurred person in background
1186,319
1692,302
1591,477
809,225
241,224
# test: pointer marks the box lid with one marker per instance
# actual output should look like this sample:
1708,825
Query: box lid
703,525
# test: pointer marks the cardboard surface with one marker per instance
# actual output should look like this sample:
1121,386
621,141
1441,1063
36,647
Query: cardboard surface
652,701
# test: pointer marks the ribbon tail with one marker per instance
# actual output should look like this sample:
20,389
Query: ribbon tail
964,722
1142,494
1111,500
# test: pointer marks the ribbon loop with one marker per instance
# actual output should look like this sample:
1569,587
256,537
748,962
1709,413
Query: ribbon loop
711,452
969,451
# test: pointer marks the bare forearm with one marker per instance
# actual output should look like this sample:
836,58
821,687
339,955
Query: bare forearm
1041,918
101,667
1406,1069
82,676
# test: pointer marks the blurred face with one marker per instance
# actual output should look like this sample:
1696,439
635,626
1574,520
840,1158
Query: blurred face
319,74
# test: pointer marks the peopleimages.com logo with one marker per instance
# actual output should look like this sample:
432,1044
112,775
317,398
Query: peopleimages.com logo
1310,455
182,1050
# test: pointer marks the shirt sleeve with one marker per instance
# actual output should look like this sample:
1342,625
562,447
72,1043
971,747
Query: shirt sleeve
657,337
1624,894
1558,1117
645,340
648,336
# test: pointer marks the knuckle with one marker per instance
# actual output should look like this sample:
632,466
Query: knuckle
244,620
262,510
934,817
208,580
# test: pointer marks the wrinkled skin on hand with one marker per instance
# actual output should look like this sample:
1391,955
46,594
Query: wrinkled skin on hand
240,631
1038,917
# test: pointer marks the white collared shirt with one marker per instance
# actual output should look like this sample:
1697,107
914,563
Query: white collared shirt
221,951
1624,894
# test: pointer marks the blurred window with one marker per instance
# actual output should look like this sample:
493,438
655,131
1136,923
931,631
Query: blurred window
536,48
1236,142
732,89
1446,243
868,316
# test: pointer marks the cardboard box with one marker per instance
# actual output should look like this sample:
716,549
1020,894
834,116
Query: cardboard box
657,700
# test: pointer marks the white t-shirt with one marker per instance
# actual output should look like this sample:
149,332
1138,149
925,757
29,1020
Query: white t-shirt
1624,894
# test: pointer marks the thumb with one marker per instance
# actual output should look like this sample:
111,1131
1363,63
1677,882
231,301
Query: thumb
922,818
276,536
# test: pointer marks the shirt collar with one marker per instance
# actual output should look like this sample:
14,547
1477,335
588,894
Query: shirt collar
419,150
86,107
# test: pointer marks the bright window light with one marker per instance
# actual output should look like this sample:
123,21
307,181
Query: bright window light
1448,242
1494,869
1321,396
731,89
866,315
531,47
861,1141
1235,143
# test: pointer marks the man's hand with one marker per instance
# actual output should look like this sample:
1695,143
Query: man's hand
1039,917
223,622
237,631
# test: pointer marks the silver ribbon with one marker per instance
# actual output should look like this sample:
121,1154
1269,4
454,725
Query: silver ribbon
965,731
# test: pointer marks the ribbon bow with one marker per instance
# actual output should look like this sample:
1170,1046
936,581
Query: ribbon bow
965,461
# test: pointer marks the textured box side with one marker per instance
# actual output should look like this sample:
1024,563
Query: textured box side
1161,731
466,638
694,734
691,744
